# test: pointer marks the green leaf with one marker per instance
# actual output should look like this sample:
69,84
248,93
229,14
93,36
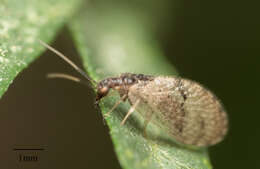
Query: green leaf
111,43
22,22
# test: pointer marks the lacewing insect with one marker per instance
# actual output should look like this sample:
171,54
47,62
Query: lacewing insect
186,110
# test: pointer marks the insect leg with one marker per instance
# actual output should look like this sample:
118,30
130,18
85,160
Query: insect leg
115,105
131,110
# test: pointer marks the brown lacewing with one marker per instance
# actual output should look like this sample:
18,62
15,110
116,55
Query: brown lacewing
184,109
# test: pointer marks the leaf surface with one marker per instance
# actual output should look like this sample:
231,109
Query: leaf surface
113,41
22,23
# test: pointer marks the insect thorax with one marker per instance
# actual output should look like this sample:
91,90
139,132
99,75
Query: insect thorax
120,83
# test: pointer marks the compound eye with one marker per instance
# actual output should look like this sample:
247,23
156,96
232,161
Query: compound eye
103,90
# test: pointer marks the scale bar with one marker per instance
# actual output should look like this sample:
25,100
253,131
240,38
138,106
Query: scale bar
28,149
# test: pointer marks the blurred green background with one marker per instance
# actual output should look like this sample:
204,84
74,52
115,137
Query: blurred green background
213,42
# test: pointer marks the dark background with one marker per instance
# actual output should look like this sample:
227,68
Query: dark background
213,42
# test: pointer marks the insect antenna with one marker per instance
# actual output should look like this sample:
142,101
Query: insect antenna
68,77
65,58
